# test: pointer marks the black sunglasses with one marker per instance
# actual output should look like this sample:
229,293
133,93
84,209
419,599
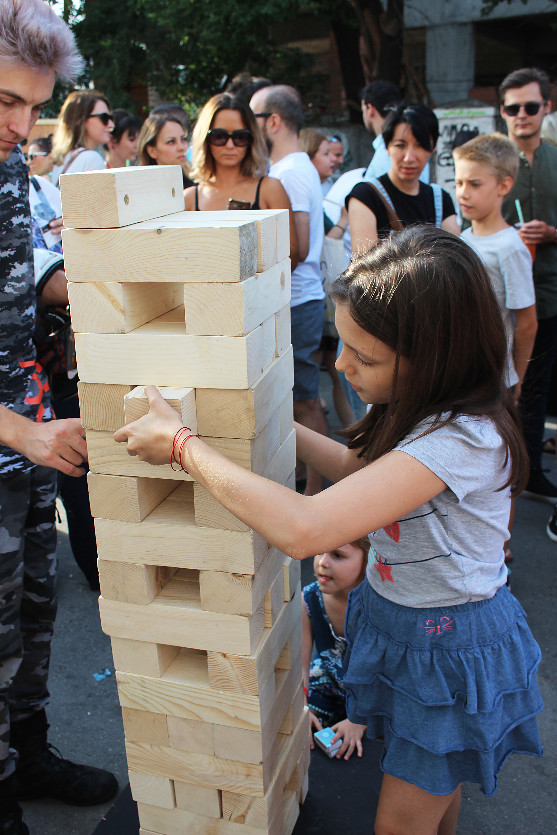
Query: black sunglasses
31,157
104,117
219,137
530,108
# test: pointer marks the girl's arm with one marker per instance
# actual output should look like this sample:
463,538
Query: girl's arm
300,526
307,647
523,342
363,226
450,224
330,458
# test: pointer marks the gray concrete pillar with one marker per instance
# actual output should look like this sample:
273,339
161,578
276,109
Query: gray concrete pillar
450,54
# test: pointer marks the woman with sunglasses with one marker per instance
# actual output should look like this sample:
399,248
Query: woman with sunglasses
399,198
39,156
230,161
84,124
163,141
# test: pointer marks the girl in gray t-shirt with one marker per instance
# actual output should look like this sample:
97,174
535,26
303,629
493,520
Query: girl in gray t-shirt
440,661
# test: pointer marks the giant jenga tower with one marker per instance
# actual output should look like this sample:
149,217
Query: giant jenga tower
203,614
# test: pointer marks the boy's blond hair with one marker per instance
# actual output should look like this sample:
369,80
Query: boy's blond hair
494,150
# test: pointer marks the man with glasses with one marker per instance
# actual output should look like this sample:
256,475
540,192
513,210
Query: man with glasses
280,116
524,98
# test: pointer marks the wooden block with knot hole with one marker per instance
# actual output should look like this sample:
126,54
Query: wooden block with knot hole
120,196
235,309
127,499
175,252
182,401
113,307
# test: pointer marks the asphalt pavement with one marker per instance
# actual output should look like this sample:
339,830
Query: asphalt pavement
86,722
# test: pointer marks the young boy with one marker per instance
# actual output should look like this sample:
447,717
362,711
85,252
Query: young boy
485,170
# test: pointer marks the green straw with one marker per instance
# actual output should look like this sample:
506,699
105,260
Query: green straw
519,210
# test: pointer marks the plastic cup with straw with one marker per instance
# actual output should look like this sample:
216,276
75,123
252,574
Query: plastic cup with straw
531,247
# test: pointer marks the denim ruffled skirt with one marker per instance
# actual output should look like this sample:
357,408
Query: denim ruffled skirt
452,690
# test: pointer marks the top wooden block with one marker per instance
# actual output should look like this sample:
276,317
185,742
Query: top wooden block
120,196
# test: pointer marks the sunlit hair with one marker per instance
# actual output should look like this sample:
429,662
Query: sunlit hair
72,122
422,122
493,150
310,141
32,34
149,134
254,164
426,295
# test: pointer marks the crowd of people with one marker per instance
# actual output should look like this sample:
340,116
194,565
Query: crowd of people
440,344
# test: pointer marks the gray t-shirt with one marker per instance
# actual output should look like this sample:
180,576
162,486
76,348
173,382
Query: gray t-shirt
450,550
509,266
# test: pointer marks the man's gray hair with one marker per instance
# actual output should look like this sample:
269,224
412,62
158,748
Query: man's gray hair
285,101
32,34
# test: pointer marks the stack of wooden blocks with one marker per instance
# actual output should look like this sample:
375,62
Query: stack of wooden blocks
204,616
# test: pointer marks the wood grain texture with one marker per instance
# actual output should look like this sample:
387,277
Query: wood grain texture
102,406
113,307
127,499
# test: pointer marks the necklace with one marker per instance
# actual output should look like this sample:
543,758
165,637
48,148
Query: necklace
224,199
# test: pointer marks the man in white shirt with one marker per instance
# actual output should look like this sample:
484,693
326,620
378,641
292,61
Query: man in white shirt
378,99
280,115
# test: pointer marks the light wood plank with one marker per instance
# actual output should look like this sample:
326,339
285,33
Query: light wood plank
152,789
198,799
126,499
239,594
132,583
283,331
142,657
236,309
176,252
102,406
182,401
190,735
113,307
181,821
143,726
120,196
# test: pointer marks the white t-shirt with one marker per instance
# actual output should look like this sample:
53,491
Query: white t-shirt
301,182
334,202
52,196
84,161
509,266
449,550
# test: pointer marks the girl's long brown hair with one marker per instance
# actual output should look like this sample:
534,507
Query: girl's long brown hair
426,294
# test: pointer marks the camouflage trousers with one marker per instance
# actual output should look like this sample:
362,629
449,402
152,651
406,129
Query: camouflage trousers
27,598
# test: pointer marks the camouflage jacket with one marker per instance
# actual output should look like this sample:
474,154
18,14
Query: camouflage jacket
23,384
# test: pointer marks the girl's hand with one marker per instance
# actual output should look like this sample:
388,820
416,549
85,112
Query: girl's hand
352,735
314,725
150,437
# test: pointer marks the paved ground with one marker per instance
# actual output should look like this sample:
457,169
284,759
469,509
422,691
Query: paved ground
86,720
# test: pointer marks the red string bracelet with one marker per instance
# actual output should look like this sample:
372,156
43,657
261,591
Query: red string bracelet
182,445
306,692
174,442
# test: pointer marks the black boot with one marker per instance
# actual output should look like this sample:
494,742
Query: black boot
11,815
42,772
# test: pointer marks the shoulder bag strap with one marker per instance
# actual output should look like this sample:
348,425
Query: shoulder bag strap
379,189
438,203
70,161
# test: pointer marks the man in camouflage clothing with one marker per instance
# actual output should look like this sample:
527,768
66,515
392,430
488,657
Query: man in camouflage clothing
35,46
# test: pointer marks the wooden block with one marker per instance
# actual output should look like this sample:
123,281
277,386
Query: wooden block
155,821
176,252
182,401
102,406
201,800
210,513
286,413
120,196
175,617
169,537
236,309
142,657
242,414
126,499
291,577
274,600
283,235
245,674
240,594
113,307
143,726
132,583
162,352
283,331
267,221
190,735
110,458
152,789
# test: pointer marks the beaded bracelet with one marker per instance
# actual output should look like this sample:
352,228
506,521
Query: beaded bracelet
174,442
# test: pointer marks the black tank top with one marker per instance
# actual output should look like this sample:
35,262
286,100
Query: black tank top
254,205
